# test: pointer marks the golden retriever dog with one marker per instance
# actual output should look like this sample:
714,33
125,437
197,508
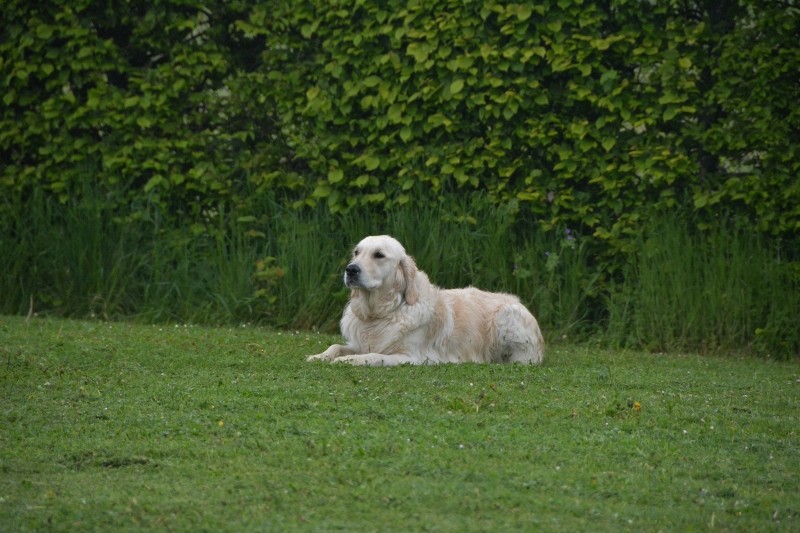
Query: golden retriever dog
397,316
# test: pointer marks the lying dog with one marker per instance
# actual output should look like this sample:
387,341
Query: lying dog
396,316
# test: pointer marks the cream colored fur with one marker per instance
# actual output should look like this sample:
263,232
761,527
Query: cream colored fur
396,316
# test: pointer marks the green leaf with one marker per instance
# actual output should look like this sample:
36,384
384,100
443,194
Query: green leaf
395,113
335,175
608,77
700,200
456,86
528,196
375,198
464,62
371,162
524,12
322,190
419,50
312,93
671,98
608,143
44,31
371,81
156,181
554,26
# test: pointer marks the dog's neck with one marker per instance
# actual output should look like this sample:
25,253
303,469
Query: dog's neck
375,304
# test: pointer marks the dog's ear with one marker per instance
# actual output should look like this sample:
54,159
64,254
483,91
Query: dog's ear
409,271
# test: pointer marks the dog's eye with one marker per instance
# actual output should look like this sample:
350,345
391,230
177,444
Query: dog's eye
378,255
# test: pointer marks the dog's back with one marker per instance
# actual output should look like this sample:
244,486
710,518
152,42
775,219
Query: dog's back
487,327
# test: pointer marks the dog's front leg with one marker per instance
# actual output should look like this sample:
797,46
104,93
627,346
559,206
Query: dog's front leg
332,353
378,359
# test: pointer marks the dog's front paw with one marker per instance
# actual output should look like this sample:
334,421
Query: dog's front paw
350,359
337,350
370,359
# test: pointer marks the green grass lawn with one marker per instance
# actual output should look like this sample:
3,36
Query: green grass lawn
116,426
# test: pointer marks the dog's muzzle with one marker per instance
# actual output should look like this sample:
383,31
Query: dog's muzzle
351,273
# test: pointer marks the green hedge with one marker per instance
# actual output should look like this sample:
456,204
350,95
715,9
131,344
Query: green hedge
590,114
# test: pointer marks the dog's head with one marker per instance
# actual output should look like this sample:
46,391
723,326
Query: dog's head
380,263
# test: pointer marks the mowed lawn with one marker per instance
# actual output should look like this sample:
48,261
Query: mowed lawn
109,426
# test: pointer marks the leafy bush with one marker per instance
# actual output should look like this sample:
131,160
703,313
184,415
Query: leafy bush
142,97
591,114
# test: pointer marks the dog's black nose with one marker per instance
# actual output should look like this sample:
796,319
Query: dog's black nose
352,270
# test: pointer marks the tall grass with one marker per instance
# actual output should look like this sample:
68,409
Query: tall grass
715,290
202,278
683,289
70,258
310,255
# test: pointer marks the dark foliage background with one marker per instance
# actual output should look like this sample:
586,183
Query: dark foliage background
181,120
